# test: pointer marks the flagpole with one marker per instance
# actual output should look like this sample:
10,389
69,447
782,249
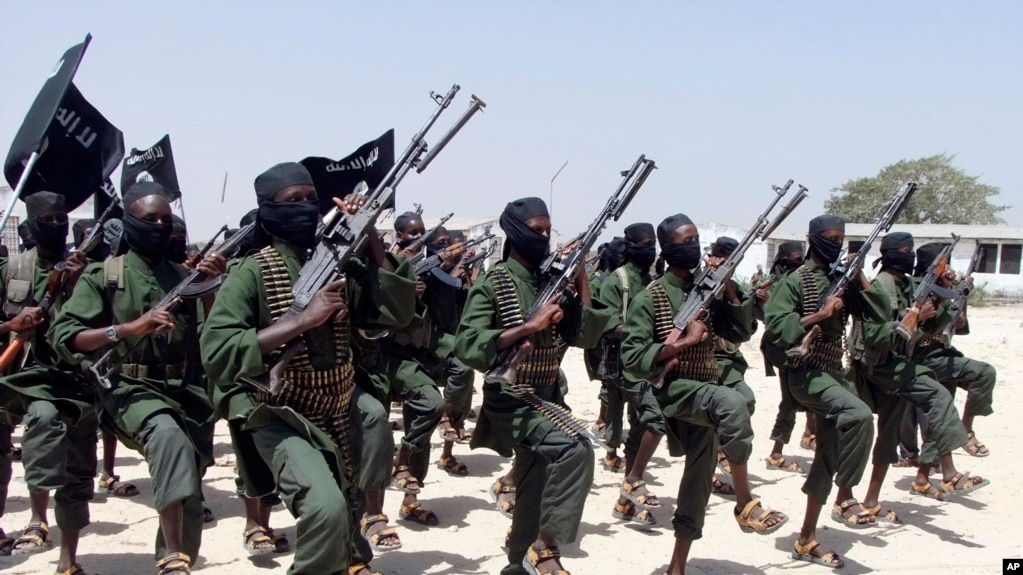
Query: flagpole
21,186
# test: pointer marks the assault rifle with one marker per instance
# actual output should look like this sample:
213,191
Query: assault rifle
958,306
710,283
416,246
928,287
55,285
845,269
430,263
191,287
559,274
344,236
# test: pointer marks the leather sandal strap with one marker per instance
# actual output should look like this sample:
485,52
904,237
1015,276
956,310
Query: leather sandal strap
808,548
748,509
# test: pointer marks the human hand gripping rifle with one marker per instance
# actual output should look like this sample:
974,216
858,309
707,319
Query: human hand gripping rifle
559,274
710,283
192,287
846,269
416,245
428,264
59,278
962,289
928,288
344,235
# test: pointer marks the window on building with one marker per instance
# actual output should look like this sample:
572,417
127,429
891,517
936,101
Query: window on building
988,259
1010,259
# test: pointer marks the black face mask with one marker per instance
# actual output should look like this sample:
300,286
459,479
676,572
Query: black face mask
433,249
529,243
177,251
50,236
899,261
682,256
642,256
292,222
147,238
785,266
826,249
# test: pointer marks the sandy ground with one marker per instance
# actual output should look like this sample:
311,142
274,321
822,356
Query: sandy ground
967,536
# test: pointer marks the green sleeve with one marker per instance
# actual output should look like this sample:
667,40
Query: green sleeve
380,299
476,340
87,308
609,293
229,344
594,324
734,322
639,348
781,313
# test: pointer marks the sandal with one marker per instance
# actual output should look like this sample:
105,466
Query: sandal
927,490
75,569
751,524
809,442
534,558
645,500
882,515
907,462
805,553
416,513
464,437
452,466
6,544
723,463
962,483
780,465
721,488
408,484
112,485
447,432
845,514
627,512
360,568
174,563
35,537
974,447
598,427
498,489
257,542
374,538
281,543
613,464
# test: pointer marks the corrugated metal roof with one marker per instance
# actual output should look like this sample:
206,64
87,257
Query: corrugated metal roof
942,231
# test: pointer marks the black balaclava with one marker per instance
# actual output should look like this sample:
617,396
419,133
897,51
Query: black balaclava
682,256
925,256
177,249
28,239
403,220
147,238
49,236
783,263
642,256
530,244
291,222
612,254
891,255
828,251
723,247
100,251
439,241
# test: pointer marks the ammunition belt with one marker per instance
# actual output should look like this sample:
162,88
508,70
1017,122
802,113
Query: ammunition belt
322,396
540,367
695,362
154,371
826,355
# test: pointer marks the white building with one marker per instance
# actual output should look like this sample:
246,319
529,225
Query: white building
10,236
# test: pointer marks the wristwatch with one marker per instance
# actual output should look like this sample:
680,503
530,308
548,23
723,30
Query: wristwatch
112,334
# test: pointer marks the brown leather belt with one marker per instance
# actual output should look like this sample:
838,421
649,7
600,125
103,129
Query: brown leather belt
144,371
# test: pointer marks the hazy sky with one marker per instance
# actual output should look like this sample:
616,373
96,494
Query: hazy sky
727,97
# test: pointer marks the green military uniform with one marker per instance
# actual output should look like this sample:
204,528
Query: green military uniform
888,378
732,363
158,403
59,443
554,471
698,410
303,433
774,359
644,412
444,304
818,382
593,355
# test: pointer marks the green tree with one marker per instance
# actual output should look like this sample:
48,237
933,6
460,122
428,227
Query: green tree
946,195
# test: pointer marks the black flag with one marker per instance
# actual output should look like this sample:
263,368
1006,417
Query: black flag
37,122
370,163
107,193
155,164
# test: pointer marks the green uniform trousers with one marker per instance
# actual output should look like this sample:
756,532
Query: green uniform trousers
644,413
694,489
785,421
253,479
553,475
173,459
896,382
976,377
327,526
844,431
746,392
458,389
421,409
60,456
374,440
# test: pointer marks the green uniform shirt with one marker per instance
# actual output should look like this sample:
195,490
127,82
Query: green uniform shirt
505,419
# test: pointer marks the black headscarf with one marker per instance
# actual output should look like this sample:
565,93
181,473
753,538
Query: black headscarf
782,262
723,247
436,244
531,245
147,238
641,256
612,254
668,227
827,250
139,190
925,256
50,236
891,255
681,256
292,222
279,177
